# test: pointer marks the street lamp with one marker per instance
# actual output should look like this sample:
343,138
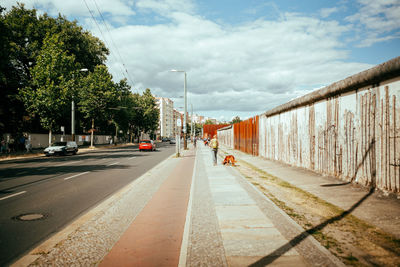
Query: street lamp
185,109
73,113
191,121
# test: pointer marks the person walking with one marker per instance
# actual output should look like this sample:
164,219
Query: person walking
214,146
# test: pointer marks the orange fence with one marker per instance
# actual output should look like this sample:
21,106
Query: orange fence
246,136
209,130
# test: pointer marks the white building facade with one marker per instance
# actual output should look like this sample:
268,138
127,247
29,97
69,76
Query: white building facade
166,125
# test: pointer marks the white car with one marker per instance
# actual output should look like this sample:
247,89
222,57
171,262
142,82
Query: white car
61,148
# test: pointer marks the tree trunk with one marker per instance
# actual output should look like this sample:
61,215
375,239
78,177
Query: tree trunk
91,136
50,137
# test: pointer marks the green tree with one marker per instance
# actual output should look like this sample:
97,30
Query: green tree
149,112
22,32
19,46
50,91
209,122
198,128
99,95
124,110
236,120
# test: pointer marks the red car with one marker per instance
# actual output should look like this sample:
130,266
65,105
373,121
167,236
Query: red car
147,145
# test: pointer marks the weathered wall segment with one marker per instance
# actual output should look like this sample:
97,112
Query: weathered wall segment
350,129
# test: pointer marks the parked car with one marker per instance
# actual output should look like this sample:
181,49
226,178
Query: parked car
172,141
165,139
61,148
147,145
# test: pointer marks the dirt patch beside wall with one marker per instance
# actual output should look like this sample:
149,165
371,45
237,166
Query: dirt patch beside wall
352,240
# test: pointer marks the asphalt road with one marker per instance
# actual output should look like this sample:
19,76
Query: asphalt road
60,189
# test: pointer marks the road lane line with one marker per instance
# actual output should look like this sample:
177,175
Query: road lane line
13,195
132,157
66,163
76,175
113,164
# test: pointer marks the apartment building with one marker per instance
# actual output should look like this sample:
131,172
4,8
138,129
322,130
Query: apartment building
167,123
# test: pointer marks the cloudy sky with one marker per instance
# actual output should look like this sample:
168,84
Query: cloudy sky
242,57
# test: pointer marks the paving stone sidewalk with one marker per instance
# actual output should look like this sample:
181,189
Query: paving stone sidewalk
233,224
377,209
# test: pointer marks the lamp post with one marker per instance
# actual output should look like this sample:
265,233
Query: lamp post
73,114
185,110
191,122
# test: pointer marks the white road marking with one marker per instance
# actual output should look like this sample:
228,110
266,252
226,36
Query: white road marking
113,164
66,163
133,157
76,175
13,195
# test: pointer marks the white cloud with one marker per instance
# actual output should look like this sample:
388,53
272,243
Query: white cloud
77,8
326,12
165,7
376,21
253,67
231,70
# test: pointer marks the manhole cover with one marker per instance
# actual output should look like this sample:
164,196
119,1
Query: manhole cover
30,217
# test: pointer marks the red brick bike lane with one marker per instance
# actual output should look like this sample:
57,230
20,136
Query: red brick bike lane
155,236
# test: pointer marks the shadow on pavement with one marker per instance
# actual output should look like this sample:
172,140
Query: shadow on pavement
299,238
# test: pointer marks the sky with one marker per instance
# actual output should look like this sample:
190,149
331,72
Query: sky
242,57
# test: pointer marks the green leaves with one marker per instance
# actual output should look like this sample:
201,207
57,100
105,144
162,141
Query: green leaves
40,59
98,94
50,91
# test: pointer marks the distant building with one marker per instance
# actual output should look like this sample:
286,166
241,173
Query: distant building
197,118
166,125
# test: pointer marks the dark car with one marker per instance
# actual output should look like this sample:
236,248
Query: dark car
61,148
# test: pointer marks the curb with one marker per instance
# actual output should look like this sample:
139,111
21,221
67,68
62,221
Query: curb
186,230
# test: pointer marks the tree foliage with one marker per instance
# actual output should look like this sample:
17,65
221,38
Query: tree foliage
40,59
49,93
99,94
236,120
22,35
209,122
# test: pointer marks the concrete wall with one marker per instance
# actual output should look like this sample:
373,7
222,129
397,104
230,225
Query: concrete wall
225,136
350,129
42,140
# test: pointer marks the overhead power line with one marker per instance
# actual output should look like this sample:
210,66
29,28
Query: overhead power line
112,40
105,40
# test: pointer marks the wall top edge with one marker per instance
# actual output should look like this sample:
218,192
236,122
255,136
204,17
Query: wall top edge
373,76
225,128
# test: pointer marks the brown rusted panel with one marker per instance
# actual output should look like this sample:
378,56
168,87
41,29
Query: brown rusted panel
246,136
209,130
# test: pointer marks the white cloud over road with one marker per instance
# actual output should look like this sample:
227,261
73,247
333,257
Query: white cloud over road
252,67
242,69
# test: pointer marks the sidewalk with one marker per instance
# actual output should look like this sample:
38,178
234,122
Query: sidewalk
377,209
185,212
